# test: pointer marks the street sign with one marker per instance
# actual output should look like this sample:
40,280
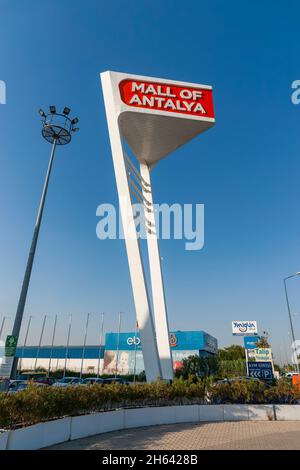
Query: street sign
6,362
260,370
250,342
244,328
11,345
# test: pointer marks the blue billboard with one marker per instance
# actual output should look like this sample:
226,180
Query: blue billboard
250,342
179,340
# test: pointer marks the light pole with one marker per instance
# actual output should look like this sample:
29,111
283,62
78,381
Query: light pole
290,316
57,129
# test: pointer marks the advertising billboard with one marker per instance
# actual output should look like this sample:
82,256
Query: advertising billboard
125,362
250,342
244,327
179,340
124,351
262,354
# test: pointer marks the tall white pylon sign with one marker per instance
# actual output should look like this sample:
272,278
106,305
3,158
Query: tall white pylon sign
154,117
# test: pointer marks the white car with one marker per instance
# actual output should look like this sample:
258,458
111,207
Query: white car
66,381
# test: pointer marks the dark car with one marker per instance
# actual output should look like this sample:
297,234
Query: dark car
35,376
46,380
114,380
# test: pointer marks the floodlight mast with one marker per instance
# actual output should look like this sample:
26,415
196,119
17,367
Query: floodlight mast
57,129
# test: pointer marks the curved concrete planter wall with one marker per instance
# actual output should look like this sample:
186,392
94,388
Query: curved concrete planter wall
54,432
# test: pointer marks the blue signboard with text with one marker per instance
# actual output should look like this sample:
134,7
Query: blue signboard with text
260,370
250,342
179,340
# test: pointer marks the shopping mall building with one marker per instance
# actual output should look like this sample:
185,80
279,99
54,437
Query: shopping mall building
121,351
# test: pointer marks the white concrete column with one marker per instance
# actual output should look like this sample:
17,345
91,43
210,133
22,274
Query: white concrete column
158,294
139,288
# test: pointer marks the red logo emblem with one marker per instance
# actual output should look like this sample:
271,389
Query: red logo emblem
173,340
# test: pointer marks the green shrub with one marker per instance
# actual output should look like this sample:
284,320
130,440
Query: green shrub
283,392
39,404
243,391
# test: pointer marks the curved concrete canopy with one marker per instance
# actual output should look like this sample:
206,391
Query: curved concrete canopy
152,137
156,116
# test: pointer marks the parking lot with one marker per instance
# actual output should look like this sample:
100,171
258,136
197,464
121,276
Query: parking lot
242,435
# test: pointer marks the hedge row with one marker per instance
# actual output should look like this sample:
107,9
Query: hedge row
40,404
254,392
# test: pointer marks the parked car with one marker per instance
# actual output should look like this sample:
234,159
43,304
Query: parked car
93,380
13,384
40,377
46,380
67,381
16,386
113,380
35,376
290,375
242,379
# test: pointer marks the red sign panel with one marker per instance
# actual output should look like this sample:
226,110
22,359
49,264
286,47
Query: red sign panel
194,101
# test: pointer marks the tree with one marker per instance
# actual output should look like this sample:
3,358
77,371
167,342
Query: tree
199,366
232,353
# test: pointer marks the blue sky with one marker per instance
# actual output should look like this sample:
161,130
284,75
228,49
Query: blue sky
245,170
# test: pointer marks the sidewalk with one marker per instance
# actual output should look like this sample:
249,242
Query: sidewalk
242,435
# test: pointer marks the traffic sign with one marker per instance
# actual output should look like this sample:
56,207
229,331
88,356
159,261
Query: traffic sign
260,370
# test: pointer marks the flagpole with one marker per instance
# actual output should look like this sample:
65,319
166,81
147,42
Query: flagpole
135,350
118,344
52,344
100,346
40,342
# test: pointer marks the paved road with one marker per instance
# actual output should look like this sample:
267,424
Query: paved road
266,435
